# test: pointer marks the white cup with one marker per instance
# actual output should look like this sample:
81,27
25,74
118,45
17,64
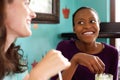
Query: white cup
103,76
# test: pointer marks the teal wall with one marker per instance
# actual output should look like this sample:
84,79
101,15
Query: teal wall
101,6
46,36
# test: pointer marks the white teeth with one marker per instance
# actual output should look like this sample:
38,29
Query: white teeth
88,33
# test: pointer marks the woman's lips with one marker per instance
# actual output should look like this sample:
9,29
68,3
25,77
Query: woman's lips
88,33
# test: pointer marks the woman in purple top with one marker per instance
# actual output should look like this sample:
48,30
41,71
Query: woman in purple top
87,56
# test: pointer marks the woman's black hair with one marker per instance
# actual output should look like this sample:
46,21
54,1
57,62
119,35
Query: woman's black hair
81,8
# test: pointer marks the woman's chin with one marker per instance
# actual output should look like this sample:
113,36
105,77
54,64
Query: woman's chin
27,34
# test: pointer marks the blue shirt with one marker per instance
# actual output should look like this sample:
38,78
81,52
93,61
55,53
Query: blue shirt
16,76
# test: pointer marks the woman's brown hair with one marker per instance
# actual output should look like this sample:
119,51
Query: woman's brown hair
9,60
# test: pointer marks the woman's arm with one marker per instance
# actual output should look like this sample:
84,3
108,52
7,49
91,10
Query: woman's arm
68,73
50,65
93,63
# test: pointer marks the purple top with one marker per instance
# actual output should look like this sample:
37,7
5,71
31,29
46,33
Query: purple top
109,55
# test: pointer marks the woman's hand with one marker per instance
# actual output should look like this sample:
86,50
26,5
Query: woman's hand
50,65
93,63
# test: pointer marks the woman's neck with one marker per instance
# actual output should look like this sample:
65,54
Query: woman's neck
9,40
90,48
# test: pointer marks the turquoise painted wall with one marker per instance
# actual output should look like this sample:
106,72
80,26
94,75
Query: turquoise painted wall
101,6
46,36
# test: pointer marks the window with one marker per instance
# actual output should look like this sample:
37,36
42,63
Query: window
117,19
117,11
117,40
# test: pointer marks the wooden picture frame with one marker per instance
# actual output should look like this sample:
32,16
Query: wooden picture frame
46,18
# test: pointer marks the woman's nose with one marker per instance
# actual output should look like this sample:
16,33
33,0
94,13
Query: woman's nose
33,14
87,25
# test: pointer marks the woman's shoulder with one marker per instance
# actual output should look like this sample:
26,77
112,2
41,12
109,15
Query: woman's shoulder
16,76
67,42
110,48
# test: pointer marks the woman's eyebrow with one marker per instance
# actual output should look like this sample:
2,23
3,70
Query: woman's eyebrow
27,1
79,19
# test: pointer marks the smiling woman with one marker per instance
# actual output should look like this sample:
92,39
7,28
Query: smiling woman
13,26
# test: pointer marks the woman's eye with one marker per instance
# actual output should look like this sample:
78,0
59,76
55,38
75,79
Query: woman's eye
92,21
80,22
27,2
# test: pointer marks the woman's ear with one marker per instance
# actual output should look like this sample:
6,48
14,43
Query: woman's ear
99,21
74,29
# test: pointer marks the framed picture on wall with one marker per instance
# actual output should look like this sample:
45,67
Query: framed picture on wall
47,11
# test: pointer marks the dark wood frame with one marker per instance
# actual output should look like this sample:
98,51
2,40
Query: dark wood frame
49,18
112,18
